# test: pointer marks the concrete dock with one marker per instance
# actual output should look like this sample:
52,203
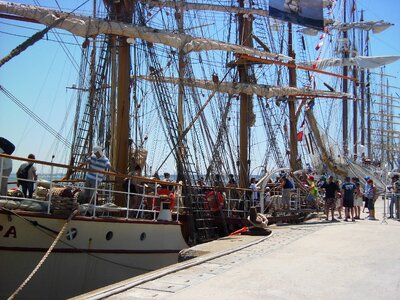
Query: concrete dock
313,260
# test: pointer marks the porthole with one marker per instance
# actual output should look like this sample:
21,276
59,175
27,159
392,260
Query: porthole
109,235
71,234
143,236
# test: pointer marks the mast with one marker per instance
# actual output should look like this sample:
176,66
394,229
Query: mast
181,96
292,106
345,87
369,144
355,85
122,11
362,75
245,29
92,90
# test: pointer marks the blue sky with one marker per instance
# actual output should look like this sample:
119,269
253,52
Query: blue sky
40,76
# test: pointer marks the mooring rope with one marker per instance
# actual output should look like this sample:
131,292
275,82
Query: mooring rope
44,257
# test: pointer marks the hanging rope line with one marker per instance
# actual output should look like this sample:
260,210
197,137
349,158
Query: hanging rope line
35,117
29,42
44,257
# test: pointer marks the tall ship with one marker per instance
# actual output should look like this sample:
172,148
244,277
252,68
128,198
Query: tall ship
213,93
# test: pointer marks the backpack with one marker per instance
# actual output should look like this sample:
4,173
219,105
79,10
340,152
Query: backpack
23,173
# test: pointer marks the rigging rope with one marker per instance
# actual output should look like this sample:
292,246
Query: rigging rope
44,257
34,116
29,42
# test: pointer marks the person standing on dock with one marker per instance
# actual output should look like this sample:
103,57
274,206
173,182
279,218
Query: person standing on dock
331,190
348,189
358,200
396,196
394,200
370,194
27,176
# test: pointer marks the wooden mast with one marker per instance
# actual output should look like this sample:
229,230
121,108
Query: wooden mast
122,11
245,29
345,87
369,143
92,90
355,85
292,107
362,121
181,96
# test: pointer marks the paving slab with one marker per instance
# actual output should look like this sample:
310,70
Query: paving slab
317,259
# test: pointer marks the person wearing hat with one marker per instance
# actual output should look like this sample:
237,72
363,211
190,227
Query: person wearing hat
97,161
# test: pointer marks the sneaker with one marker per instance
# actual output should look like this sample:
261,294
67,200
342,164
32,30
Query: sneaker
334,220
345,219
339,217
352,219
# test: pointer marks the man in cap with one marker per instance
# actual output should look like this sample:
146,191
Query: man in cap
97,161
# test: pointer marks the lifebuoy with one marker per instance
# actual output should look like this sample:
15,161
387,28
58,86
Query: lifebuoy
214,201
165,195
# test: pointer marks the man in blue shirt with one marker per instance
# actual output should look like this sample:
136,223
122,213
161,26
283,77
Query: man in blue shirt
348,189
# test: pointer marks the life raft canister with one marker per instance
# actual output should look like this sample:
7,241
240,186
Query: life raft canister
214,201
165,195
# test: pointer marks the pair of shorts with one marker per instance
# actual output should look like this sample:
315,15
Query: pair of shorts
371,203
358,201
348,202
330,203
285,196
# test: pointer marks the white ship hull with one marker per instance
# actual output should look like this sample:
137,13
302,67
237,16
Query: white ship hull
91,253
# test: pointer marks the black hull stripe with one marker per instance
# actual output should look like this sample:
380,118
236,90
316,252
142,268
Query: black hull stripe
91,251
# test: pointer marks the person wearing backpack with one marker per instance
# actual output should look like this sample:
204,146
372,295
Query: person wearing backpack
26,176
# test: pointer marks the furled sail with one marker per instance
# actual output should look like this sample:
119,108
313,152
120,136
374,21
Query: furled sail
374,26
365,62
217,7
85,27
325,156
262,90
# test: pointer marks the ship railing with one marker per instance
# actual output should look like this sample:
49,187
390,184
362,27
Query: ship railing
107,200
236,201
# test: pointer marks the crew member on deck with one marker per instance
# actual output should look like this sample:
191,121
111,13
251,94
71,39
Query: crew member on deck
27,183
97,162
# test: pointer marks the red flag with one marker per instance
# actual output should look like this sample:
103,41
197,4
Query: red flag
300,136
